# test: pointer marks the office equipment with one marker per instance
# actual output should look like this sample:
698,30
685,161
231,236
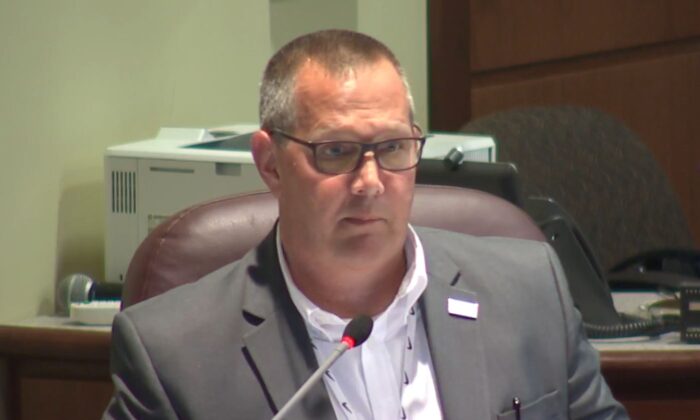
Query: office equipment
497,178
588,283
148,181
690,313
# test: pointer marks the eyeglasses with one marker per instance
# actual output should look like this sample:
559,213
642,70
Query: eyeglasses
342,157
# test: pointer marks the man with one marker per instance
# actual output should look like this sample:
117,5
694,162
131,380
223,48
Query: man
338,148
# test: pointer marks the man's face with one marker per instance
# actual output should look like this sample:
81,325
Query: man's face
361,215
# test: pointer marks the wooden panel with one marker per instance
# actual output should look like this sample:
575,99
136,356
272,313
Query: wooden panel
655,385
55,343
657,96
55,372
663,409
62,369
449,85
506,33
48,399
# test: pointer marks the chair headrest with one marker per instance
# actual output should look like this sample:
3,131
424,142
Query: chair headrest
207,236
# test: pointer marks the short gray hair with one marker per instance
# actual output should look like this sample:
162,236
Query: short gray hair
336,51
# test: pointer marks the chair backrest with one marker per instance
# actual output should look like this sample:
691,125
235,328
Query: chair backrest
207,236
595,168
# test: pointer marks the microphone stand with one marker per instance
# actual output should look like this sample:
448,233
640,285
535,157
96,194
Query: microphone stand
342,347
355,333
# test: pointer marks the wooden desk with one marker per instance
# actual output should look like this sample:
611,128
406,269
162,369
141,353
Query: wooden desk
54,370
60,372
654,378
655,384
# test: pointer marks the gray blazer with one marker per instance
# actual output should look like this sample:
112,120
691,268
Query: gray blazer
232,345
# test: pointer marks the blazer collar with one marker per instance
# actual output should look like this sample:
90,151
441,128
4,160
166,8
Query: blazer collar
456,347
278,346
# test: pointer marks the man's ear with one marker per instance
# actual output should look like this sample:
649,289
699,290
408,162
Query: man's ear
265,156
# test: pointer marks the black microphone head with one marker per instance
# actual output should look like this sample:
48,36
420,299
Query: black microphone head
359,329
454,158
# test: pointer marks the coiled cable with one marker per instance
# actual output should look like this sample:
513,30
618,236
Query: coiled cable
632,326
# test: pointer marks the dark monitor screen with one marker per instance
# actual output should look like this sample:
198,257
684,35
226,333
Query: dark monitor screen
497,178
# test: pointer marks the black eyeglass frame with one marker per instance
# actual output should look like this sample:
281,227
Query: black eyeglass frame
364,148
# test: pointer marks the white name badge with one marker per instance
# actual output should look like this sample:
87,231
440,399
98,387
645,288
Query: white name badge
463,308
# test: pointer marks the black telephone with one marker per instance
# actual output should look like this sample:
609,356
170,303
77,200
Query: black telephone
591,287
664,267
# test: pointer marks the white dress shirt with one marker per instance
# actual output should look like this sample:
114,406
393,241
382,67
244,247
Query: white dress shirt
390,376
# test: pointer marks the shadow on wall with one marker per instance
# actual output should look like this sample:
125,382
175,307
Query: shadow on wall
79,235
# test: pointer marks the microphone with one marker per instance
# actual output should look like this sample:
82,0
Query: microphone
80,288
356,332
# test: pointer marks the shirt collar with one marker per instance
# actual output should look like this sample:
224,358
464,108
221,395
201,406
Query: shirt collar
323,325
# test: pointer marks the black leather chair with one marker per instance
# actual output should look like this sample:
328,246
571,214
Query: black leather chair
614,193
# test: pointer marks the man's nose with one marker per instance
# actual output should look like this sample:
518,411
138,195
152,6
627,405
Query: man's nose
366,181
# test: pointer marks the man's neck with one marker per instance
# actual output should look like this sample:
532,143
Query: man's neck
346,289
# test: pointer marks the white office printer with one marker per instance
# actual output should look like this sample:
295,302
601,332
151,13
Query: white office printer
149,180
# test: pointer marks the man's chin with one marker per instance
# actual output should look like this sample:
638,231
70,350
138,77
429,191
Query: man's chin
368,242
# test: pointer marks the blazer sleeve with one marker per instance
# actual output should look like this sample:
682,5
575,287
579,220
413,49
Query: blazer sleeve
138,392
589,395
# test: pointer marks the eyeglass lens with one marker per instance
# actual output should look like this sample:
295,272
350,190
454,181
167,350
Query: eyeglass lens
342,157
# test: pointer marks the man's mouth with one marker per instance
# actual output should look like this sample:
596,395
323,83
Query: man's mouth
362,220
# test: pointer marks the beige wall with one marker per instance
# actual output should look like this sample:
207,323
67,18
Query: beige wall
76,77
402,25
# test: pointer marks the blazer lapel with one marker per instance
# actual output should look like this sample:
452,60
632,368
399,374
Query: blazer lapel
278,347
283,369
455,342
